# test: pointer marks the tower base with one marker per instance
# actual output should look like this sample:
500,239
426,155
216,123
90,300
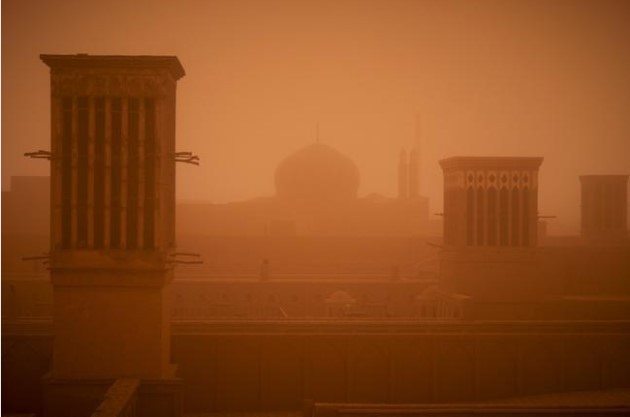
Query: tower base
72,397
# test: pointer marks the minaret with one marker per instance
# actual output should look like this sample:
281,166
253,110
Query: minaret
414,185
112,229
403,175
415,158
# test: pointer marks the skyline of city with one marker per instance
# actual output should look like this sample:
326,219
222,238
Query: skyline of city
336,301
489,78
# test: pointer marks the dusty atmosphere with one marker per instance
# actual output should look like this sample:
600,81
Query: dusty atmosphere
315,208
484,77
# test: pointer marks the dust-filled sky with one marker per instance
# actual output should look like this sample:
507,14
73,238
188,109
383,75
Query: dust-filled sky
530,78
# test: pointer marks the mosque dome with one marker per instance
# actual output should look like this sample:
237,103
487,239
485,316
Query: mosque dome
317,172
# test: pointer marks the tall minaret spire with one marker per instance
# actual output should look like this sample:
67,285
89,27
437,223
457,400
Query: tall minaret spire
415,160
403,172
413,174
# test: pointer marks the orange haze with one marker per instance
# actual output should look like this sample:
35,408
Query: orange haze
531,78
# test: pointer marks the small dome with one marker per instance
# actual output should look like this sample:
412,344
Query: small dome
317,172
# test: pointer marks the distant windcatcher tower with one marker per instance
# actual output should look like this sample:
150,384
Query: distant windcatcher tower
112,226
604,208
490,223
490,201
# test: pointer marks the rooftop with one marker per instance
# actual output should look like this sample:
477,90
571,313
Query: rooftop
85,61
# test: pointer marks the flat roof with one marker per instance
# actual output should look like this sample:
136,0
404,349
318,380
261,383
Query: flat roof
86,61
604,178
491,162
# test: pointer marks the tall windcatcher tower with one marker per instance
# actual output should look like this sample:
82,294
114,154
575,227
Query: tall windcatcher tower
112,225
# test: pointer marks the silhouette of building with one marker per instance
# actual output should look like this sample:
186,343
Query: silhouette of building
604,208
112,228
316,195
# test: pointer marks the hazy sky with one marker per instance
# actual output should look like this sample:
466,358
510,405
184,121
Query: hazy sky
530,78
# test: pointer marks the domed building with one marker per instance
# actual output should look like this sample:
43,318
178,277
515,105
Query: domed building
317,173
316,222
316,195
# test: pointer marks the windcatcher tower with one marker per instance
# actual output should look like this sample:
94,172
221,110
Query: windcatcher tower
604,208
490,224
112,228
